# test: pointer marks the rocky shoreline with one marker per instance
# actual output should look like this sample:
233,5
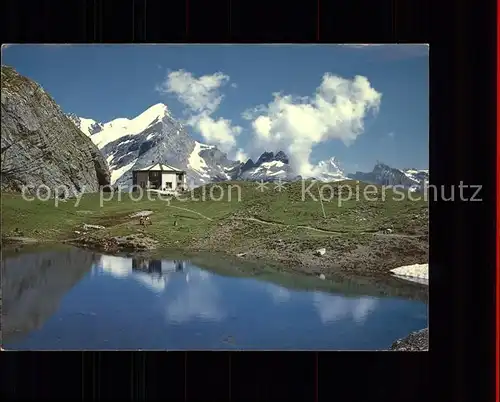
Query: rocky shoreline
415,341
139,243
371,257
113,244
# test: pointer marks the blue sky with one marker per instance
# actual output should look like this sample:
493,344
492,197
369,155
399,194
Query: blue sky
388,110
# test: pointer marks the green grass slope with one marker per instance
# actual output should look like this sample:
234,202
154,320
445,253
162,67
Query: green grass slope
277,225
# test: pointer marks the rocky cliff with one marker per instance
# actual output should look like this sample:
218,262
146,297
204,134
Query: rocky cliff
40,145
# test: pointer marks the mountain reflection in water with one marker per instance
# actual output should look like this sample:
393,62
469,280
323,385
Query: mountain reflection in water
76,299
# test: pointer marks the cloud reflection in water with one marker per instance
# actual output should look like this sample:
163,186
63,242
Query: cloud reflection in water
194,295
334,308
198,298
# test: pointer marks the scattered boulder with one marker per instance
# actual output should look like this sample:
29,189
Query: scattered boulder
87,226
18,232
322,277
135,242
114,244
241,254
320,252
279,243
145,220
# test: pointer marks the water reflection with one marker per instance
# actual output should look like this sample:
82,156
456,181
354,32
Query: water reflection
278,293
198,298
152,273
334,308
74,299
33,284
194,296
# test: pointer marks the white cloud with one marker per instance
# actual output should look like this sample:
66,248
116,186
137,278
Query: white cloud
218,132
198,94
202,98
241,155
252,113
337,110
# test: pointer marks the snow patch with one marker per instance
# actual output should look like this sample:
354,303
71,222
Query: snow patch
418,271
116,174
196,162
118,128
268,165
86,125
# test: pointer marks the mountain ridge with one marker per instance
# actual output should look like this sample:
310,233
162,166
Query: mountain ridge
383,174
156,136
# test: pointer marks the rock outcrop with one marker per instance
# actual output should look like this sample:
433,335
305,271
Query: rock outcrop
416,341
41,146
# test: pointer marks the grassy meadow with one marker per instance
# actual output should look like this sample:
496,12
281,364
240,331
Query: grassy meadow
276,224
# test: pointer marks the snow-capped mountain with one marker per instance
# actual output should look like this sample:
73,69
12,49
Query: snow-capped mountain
272,167
87,126
154,136
268,167
329,170
419,175
383,174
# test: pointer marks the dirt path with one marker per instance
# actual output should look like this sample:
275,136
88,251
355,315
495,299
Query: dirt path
336,232
189,210
284,224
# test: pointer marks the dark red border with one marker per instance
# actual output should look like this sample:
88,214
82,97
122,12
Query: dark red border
497,359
